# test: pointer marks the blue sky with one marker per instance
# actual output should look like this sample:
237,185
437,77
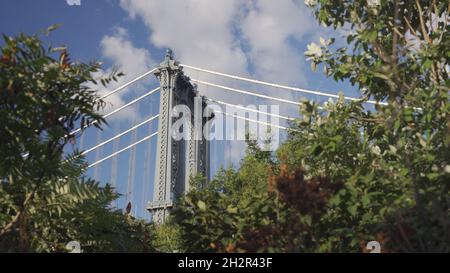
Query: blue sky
263,39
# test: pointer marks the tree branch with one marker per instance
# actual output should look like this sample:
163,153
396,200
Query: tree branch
422,24
16,218
395,34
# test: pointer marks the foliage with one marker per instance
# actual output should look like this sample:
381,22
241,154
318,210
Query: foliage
347,174
212,215
400,169
45,200
166,239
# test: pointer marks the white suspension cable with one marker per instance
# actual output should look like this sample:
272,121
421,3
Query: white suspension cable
132,102
97,170
120,135
256,121
114,169
245,92
251,110
118,109
128,83
147,170
121,151
295,89
117,90
131,170
146,175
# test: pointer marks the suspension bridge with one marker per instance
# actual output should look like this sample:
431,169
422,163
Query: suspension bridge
143,160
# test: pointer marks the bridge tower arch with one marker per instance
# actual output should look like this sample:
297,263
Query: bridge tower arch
177,160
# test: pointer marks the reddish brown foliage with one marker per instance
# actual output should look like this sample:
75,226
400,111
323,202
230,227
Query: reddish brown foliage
51,116
5,59
231,248
308,196
8,60
64,60
304,197
263,238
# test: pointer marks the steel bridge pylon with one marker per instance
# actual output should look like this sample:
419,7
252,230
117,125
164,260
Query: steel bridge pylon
177,161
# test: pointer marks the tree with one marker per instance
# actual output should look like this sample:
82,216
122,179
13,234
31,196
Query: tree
399,52
45,200
211,217
348,174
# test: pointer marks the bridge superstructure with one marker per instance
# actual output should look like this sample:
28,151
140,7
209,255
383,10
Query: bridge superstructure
178,161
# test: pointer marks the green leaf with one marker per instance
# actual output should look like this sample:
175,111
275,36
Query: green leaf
232,210
53,27
353,209
427,64
201,205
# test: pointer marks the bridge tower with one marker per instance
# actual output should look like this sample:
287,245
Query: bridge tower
177,160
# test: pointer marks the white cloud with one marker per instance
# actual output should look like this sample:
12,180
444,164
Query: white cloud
73,2
257,38
121,51
128,59
270,29
230,35
200,32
